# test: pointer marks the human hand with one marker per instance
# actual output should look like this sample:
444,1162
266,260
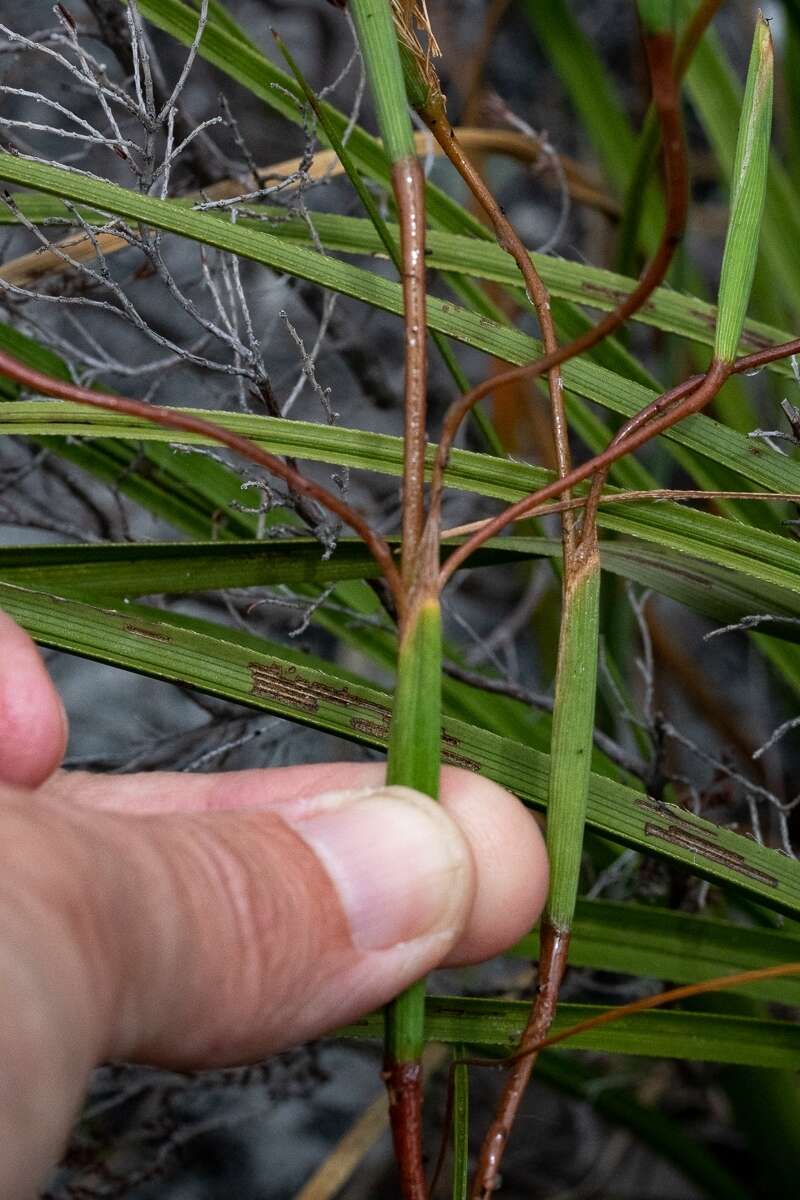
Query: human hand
205,920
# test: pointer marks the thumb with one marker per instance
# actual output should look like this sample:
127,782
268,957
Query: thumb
226,936
205,939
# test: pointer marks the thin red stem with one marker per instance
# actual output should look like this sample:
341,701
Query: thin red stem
639,421
701,19
645,1004
671,996
509,240
694,402
762,358
748,363
404,1087
552,964
170,418
686,992
666,98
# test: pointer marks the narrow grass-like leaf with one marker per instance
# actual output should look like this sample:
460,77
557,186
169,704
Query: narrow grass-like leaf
580,283
460,1189
416,710
127,570
644,940
243,668
698,432
748,191
116,571
692,1036
567,798
755,553
716,96
570,748
414,760
378,43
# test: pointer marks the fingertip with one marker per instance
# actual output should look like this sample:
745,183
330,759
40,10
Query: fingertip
512,871
402,868
33,723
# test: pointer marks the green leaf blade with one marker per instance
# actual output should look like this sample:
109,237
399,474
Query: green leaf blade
378,42
748,195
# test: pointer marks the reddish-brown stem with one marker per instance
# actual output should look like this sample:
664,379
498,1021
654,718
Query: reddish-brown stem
639,421
701,19
419,570
633,497
648,147
408,183
169,418
673,995
404,1087
642,433
762,358
749,362
694,402
510,241
666,98
554,949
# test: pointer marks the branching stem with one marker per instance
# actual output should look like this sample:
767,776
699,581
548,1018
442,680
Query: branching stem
700,394
665,95
509,240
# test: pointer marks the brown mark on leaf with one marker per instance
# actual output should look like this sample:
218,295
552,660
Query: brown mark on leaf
688,839
277,681
283,684
709,319
650,804
757,340
142,631
376,729
452,756
604,290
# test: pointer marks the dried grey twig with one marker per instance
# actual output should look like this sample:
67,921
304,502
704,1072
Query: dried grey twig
218,303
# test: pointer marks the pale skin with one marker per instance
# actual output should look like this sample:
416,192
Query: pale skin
205,920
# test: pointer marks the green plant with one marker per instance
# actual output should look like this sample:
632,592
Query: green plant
736,564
